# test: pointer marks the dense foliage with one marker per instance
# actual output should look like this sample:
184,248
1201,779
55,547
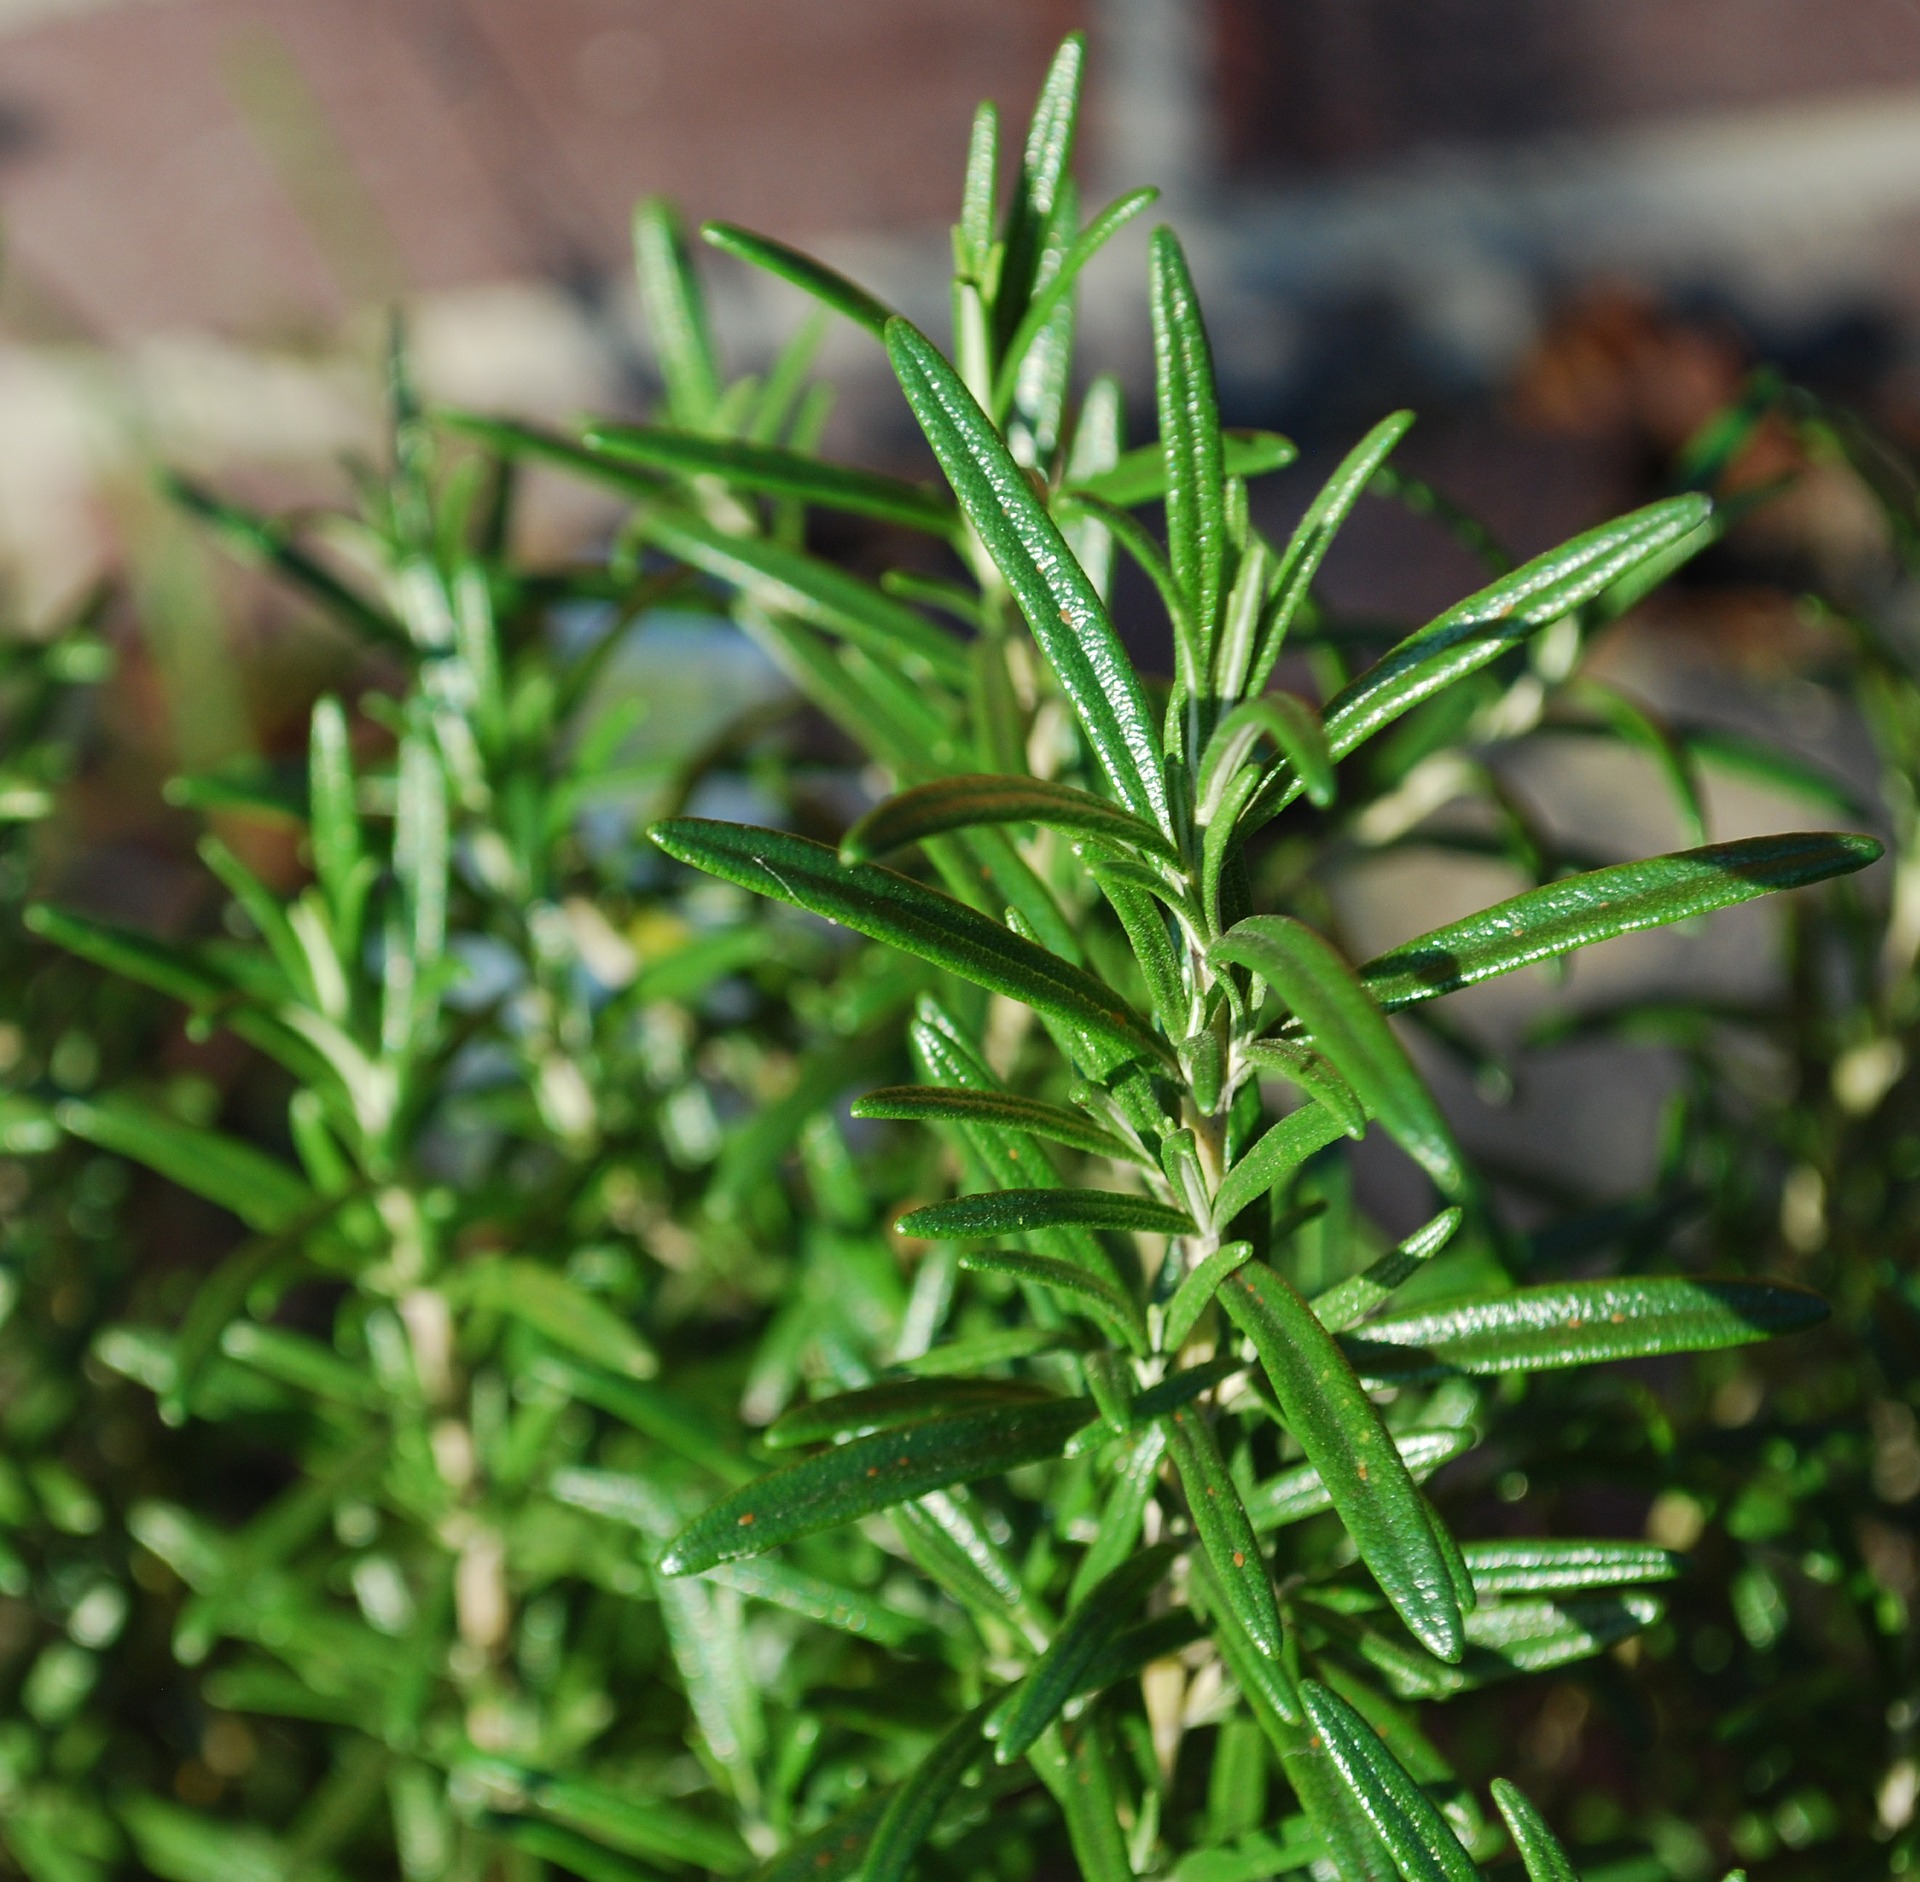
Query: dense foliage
697,1388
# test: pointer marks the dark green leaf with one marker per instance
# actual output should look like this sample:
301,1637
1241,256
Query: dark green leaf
1582,1323
887,1407
957,803
1296,1494
676,313
1239,1563
1295,730
1190,437
786,581
810,276
1284,1147
1068,619
1323,991
1348,1303
915,1805
1141,475
1058,1675
771,471
888,907
832,1606
1014,1211
1098,1296
1606,902
1424,1847
1048,301
946,1103
873,1473
1313,537
1565,1567
1502,615
1539,1848
1339,1428
1312,1072
1192,1297
259,1189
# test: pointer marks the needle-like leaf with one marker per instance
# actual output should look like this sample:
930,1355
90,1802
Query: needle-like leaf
1084,1289
1296,1494
1530,1567
1190,437
1424,1847
1068,618
1014,1211
887,1407
1540,1850
1339,1428
1220,1518
888,907
770,470
1604,903
872,1473
1324,993
825,284
946,1103
914,1806
1582,1323
1192,1297
1348,1303
1059,1673
962,803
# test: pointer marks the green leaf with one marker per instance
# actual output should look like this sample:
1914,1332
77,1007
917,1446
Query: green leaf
869,1474
1503,614
811,277
1582,1323
1312,1072
1348,1303
1059,1673
787,581
1068,619
184,1846
1042,182
258,540
914,1806
1140,476
259,1189
1539,1848
1284,1147
887,1407
676,313
1324,993
294,1360
889,907
846,1609
567,1315
1098,1296
1048,301
1074,1764
772,471
1530,1567
1296,1494
1510,1638
664,1413
514,439
1313,536
1295,730
959,803
1339,1428
1603,903
638,1826
1240,1570
1190,437
949,1104
1015,1211
1195,1292
1424,1848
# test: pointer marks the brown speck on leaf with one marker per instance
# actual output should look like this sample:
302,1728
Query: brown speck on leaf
1618,1319
1363,1472
1576,1321
1067,616
1239,1560
746,1520
904,1460
1211,1491
873,1470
